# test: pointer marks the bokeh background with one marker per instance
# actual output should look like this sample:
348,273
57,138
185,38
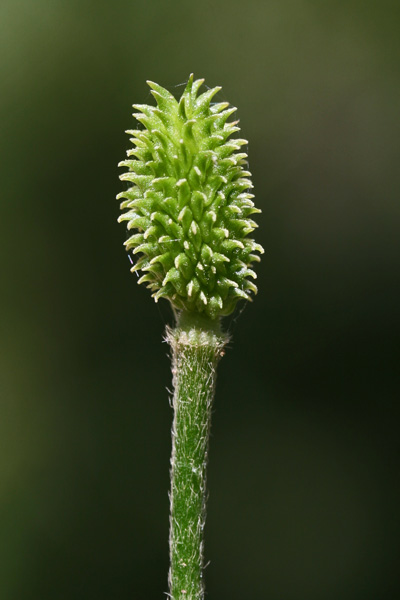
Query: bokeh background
304,486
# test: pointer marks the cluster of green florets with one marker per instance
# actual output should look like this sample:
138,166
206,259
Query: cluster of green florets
190,202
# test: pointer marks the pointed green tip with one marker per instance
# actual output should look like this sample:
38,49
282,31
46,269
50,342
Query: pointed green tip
189,85
158,88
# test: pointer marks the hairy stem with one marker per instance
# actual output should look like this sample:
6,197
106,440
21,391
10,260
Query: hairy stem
197,345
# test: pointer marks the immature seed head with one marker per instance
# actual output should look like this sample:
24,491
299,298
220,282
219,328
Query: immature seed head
189,203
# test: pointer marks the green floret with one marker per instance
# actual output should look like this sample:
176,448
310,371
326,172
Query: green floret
189,202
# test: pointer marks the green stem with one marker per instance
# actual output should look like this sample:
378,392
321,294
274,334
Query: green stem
197,345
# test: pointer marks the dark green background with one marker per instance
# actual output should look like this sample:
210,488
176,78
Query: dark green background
304,486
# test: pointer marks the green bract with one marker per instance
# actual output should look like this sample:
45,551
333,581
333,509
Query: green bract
189,202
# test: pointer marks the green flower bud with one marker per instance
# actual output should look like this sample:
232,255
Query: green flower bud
189,202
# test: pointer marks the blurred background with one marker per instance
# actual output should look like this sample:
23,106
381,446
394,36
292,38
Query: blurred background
304,486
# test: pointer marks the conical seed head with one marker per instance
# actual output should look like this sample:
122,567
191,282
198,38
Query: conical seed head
189,202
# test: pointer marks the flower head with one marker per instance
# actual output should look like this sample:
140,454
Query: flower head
189,202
